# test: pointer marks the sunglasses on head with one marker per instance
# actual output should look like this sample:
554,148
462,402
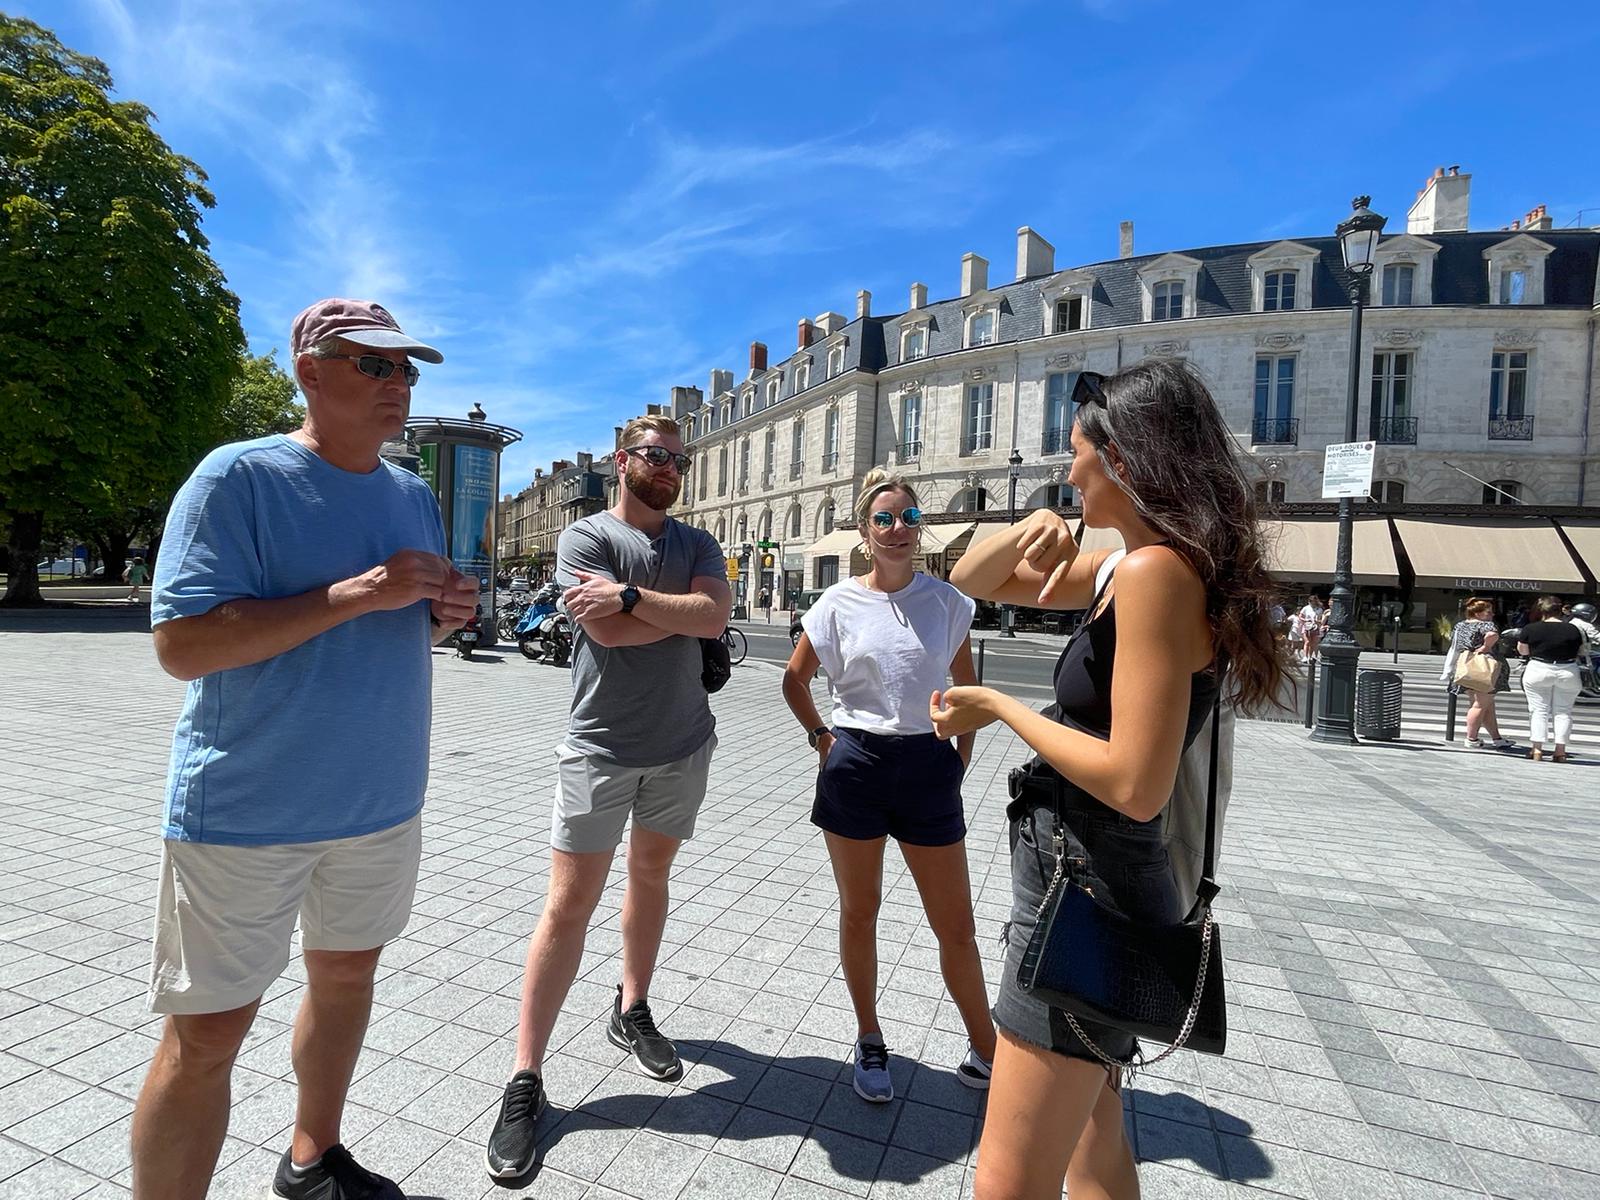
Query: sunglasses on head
376,366
660,456
1090,389
910,518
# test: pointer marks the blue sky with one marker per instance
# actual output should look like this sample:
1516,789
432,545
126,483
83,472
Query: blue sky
584,205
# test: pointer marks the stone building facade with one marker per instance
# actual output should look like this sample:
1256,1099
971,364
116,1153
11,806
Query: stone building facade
1478,359
532,520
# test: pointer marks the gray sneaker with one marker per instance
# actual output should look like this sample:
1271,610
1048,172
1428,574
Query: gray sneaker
872,1082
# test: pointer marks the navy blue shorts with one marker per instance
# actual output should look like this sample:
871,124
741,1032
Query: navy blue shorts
905,787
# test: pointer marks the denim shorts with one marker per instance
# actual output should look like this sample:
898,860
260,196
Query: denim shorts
907,787
1125,863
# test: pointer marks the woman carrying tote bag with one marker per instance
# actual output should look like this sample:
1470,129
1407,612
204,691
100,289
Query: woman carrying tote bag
1133,689
1476,667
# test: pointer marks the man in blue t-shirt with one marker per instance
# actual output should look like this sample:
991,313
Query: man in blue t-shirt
300,587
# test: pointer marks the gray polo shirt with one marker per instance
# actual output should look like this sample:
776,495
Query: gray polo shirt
641,706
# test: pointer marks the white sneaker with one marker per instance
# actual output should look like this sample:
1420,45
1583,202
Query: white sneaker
973,1071
1472,744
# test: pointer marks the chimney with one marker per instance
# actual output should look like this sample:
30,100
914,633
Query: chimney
974,274
585,459
1442,204
616,437
721,381
1035,256
758,357
919,296
1539,218
863,304
806,332
829,323
1125,240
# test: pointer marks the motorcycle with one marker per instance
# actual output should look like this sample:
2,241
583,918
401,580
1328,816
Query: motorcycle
469,634
544,634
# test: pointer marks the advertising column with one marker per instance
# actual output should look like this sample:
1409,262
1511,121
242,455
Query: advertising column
472,511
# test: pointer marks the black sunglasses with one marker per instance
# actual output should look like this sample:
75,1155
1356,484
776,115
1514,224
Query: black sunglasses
1090,389
660,456
376,366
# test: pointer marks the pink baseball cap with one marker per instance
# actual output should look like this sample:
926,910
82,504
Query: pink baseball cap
364,322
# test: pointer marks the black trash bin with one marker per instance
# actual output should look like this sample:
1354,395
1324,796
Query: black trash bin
1378,698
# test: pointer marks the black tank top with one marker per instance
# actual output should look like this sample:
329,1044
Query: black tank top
1083,690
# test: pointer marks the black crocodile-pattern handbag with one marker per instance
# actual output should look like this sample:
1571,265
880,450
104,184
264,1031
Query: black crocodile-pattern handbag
1162,982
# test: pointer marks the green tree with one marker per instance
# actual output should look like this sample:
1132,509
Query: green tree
261,401
120,338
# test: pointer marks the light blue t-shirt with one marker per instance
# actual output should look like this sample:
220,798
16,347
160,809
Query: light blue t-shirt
329,739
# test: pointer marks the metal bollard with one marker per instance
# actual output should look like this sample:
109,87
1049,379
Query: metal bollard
981,643
1311,692
1450,717
1396,657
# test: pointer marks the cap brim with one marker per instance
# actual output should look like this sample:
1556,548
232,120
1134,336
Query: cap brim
391,339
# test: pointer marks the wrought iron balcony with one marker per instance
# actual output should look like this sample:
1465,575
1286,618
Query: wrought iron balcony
796,469
976,443
1057,441
1395,431
830,460
1511,429
1275,431
908,451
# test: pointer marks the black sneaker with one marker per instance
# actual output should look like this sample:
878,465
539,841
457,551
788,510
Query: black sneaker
511,1150
635,1031
336,1177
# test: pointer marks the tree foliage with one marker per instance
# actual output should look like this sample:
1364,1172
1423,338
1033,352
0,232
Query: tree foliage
120,338
260,402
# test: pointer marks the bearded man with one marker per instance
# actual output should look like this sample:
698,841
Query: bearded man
642,590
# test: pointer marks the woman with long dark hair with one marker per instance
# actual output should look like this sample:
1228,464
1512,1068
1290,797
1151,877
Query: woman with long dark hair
1154,461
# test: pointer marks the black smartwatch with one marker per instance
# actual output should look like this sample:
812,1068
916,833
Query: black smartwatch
815,735
630,597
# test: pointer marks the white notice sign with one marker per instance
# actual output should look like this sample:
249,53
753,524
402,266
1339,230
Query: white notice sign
1347,470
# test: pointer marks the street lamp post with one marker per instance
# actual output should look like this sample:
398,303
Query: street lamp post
1340,652
1008,612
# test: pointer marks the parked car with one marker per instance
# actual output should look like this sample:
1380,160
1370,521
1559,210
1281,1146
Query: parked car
519,584
806,600
70,567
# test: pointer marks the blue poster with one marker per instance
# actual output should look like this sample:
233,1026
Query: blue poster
472,513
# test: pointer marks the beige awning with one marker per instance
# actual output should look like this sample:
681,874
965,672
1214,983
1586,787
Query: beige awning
839,543
1489,554
935,538
986,531
1304,550
1584,534
1091,539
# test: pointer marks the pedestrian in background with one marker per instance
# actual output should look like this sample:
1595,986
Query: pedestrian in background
136,576
1477,634
301,586
1551,680
1134,687
1313,624
888,641
642,590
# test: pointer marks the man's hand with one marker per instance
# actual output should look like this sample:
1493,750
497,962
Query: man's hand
459,602
593,597
402,579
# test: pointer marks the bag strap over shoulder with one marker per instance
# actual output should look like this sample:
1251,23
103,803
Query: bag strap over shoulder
1207,888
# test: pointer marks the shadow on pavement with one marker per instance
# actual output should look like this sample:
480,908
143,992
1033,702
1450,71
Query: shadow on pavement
1192,1132
66,617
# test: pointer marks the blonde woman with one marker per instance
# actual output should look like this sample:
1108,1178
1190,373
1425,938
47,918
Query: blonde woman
888,641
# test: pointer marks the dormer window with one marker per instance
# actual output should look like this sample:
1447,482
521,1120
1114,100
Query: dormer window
914,343
1068,298
981,327
1069,314
1166,300
802,377
749,404
1516,270
727,413
1278,291
1399,284
836,360
774,389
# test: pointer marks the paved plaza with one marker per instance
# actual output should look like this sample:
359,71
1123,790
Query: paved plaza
1412,935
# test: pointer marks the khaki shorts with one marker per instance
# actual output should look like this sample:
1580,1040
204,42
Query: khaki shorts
225,915
594,796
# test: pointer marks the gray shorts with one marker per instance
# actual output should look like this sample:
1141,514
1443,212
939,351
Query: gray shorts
594,796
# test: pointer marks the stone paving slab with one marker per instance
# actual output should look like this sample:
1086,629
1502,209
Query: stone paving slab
1412,935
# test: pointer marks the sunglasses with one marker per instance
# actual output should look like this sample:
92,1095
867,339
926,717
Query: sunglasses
1090,389
884,519
376,366
660,456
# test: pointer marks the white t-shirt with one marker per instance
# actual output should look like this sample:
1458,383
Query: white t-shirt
886,653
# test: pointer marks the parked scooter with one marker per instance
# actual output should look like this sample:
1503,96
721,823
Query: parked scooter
468,636
545,632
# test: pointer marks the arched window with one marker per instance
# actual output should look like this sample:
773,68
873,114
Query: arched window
764,526
1389,491
1502,491
743,527
1052,495
970,500
825,518
1270,491
794,522
722,530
